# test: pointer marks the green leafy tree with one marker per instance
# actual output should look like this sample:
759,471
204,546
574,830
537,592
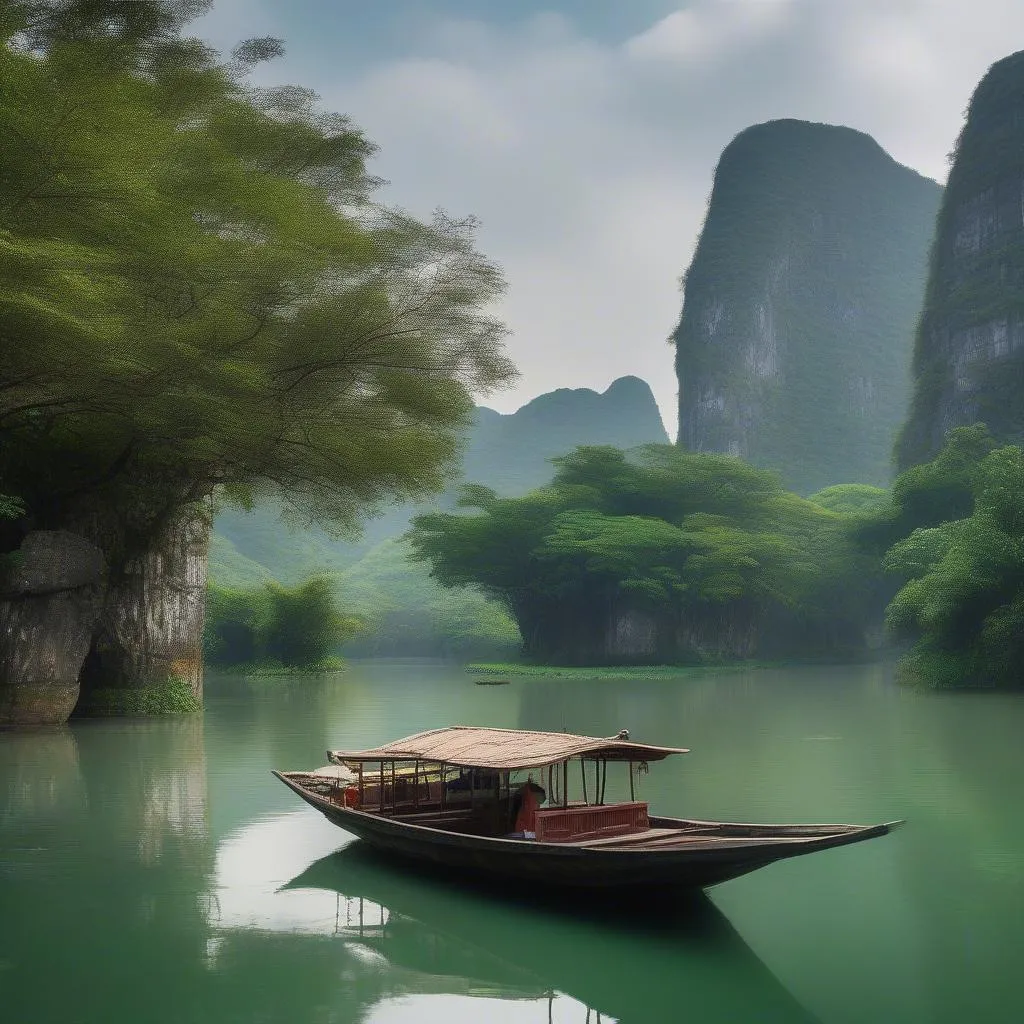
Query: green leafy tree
236,623
850,499
296,627
930,494
963,602
305,626
200,295
685,538
200,290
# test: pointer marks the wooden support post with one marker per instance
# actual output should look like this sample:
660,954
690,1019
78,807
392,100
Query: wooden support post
394,790
361,799
583,777
416,785
565,783
632,788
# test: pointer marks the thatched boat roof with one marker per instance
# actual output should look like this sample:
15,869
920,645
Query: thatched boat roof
506,749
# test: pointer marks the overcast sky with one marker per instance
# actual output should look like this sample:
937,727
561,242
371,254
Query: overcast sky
584,133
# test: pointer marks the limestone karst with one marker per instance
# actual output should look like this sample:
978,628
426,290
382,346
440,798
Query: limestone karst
793,348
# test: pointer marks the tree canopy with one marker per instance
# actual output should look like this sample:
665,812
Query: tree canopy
199,291
674,534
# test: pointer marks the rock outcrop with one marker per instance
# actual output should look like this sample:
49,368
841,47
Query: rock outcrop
51,595
149,634
969,354
793,349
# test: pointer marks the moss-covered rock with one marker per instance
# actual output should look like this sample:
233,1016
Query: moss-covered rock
175,697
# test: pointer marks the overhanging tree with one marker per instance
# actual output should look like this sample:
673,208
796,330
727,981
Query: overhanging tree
201,296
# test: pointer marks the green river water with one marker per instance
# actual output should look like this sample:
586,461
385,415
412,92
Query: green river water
154,871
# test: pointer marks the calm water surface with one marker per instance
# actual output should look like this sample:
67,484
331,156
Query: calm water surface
155,871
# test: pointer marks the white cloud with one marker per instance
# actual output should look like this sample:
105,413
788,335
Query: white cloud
589,163
711,29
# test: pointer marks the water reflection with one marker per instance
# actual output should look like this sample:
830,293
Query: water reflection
418,945
156,871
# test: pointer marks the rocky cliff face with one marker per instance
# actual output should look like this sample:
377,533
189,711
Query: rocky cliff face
969,354
793,349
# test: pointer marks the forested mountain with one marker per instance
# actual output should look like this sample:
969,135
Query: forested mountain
793,348
969,355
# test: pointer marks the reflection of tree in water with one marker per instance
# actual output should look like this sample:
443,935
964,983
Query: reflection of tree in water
110,852
254,724
629,960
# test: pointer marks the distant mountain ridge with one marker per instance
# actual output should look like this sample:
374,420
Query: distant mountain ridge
507,452
510,452
793,348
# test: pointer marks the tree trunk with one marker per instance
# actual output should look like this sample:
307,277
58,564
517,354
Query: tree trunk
51,593
147,653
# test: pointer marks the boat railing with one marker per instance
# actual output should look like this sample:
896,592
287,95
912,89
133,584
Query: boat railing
568,824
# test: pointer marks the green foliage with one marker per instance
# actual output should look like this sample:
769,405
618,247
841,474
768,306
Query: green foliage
294,628
236,623
198,290
963,602
679,536
510,453
850,499
11,507
932,493
304,625
173,698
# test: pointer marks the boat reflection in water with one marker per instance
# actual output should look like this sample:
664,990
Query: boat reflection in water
633,963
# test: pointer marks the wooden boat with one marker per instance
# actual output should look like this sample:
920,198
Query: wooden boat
457,798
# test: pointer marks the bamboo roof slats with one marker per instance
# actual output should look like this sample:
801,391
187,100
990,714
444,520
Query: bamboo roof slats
503,749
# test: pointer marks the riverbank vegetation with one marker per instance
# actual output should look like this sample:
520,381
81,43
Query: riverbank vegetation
682,558
271,628
963,602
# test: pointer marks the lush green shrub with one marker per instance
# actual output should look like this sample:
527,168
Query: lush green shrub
287,627
963,602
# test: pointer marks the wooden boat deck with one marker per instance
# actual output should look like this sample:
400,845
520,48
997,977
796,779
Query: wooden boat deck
679,838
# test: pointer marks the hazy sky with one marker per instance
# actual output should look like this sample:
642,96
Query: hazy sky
584,133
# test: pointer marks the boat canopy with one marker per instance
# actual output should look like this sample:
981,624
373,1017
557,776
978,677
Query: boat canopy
506,749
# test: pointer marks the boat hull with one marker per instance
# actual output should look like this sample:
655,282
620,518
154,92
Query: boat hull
725,851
